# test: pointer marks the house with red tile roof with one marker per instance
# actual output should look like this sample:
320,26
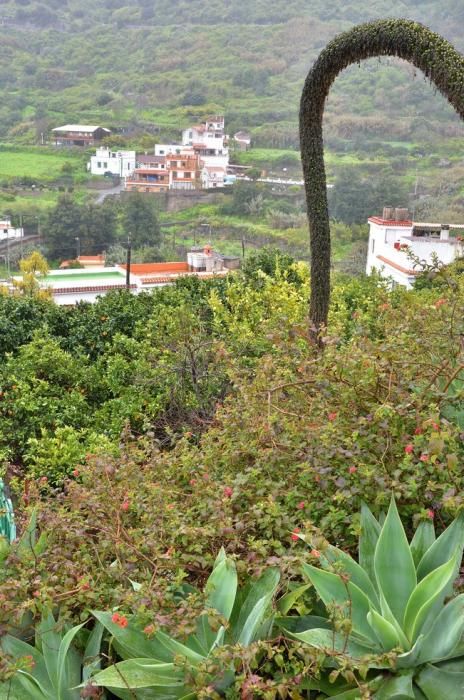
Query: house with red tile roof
394,234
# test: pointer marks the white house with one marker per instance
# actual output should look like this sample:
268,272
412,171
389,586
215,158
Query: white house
212,176
393,235
120,163
209,141
8,231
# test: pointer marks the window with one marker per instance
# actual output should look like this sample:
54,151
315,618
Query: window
161,153
105,165
99,164
373,244
174,173
187,174
128,166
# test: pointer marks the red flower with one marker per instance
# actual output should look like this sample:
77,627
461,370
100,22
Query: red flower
435,426
409,448
294,534
352,469
332,416
125,505
439,303
315,553
192,482
418,431
384,307
301,505
36,594
119,620
424,457
149,629
430,514
75,472
228,492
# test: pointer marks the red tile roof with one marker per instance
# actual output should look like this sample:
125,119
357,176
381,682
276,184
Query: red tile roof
388,222
97,288
152,268
395,265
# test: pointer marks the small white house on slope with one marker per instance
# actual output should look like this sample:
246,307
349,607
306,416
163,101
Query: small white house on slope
120,163
393,234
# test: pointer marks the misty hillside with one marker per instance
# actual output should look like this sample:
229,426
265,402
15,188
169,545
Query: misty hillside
150,62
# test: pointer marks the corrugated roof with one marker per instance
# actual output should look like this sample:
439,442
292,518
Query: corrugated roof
79,127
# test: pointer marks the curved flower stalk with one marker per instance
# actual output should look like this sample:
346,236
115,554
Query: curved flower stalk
388,613
429,52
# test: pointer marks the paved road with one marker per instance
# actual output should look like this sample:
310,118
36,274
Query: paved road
103,194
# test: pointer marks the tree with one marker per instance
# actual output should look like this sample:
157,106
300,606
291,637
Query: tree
32,268
63,225
354,198
140,220
409,40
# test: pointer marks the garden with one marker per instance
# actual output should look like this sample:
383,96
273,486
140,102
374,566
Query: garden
208,506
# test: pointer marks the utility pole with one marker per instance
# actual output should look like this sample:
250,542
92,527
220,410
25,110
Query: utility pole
8,253
128,261
22,234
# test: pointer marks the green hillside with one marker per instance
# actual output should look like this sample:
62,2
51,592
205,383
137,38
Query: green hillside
147,62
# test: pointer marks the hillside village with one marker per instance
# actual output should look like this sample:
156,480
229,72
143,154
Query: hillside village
201,160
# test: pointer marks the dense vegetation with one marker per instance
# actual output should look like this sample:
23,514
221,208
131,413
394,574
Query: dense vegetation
150,431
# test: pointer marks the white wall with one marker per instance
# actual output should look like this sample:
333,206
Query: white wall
120,163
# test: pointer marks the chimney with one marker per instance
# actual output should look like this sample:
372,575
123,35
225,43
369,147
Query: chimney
388,213
444,233
401,214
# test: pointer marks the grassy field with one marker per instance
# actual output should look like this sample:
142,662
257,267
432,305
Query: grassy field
42,164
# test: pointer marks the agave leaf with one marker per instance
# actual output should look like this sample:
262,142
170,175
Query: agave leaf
331,588
177,649
301,623
29,687
16,648
329,641
383,630
221,587
388,615
253,622
370,531
69,669
409,658
130,643
287,601
445,633
91,659
350,567
396,688
443,548
393,564
49,640
437,684
140,673
204,635
430,591
423,539
258,598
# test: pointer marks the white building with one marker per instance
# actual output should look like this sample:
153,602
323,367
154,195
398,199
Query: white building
393,235
8,231
120,163
212,176
209,141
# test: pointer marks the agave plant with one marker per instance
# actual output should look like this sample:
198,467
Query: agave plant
392,614
151,667
53,668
